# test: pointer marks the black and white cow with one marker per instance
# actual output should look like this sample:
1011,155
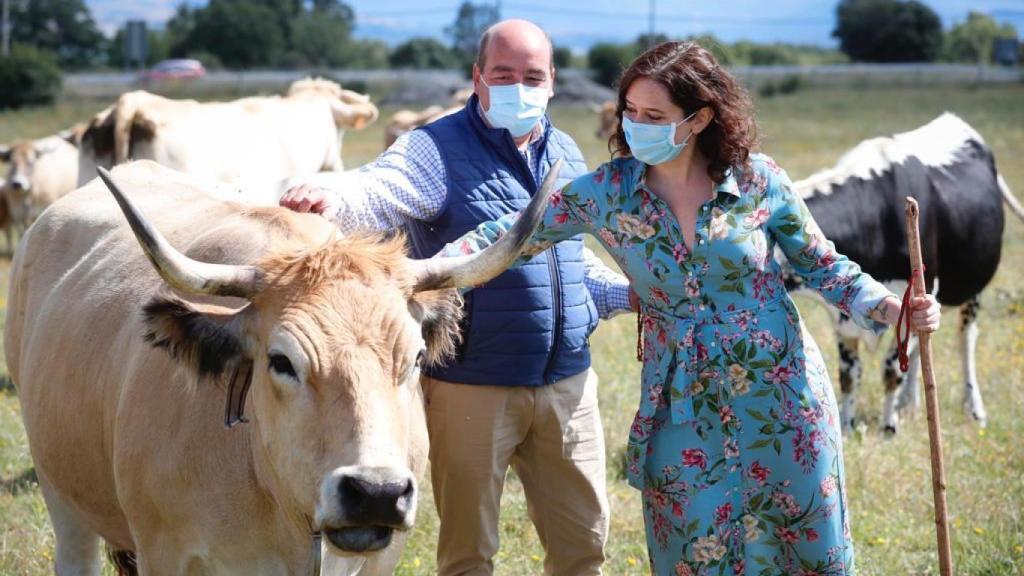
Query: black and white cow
859,204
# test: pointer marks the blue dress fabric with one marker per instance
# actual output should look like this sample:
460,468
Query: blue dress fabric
735,446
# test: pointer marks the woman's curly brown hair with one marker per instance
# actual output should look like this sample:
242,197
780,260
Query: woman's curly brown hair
694,79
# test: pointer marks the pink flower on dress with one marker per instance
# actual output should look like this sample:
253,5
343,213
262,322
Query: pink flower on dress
692,288
556,198
759,473
561,218
608,237
695,457
779,375
723,513
811,534
682,569
677,509
786,535
599,176
758,217
828,486
726,414
679,253
659,294
616,177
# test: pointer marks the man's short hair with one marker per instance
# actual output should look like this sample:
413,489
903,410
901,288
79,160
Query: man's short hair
485,38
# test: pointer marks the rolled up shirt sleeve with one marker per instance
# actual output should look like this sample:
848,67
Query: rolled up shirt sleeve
406,182
609,289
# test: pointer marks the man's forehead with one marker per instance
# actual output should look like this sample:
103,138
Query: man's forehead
518,48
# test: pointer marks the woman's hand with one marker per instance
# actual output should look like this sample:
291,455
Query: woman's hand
925,312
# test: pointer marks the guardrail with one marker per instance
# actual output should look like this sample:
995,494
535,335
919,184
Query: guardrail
109,85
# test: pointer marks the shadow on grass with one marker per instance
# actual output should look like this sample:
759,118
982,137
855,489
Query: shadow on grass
27,480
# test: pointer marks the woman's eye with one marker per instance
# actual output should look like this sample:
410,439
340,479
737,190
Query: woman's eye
282,365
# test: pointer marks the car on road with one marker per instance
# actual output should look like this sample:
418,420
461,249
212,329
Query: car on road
174,69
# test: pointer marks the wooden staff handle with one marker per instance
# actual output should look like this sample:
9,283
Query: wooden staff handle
931,398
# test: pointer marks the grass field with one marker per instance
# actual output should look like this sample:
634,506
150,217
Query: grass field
889,485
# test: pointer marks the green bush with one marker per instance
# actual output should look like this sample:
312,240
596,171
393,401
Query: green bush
28,76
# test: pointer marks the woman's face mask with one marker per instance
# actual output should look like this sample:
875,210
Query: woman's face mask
516,107
654,143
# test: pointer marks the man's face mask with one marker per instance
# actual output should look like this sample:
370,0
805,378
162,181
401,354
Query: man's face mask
516,107
654,143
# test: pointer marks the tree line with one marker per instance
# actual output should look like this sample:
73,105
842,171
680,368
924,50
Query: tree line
50,35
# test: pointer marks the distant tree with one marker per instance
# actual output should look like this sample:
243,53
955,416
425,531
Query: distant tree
28,76
365,55
645,41
722,52
470,23
607,60
241,33
179,30
422,53
64,27
888,31
973,39
320,36
562,57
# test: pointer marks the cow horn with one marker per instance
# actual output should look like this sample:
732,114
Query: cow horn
178,270
474,269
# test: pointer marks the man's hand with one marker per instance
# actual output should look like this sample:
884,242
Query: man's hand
305,198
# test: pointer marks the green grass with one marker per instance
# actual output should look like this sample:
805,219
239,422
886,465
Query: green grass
889,483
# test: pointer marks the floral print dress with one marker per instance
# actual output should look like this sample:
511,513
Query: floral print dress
736,444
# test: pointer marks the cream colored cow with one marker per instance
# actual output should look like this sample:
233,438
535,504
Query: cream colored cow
608,121
405,120
128,356
254,143
38,173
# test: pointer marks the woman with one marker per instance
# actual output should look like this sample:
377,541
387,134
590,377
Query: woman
736,444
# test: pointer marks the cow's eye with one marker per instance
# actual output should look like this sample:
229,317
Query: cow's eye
419,359
282,365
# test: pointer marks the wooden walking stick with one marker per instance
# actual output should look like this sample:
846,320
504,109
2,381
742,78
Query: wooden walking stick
930,394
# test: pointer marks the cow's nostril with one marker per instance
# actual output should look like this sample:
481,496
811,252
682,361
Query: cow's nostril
376,497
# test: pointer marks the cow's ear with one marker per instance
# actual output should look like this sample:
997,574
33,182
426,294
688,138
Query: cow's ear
210,342
5,153
356,116
439,312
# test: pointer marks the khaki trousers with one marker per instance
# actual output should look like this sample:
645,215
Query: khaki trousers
552,438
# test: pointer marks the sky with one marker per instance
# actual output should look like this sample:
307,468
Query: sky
579,23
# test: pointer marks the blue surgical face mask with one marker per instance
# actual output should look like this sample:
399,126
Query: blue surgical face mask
516,107
654,143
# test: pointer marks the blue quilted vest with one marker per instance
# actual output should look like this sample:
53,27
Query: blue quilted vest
530,325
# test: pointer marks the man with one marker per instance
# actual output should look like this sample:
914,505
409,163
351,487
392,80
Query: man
520,392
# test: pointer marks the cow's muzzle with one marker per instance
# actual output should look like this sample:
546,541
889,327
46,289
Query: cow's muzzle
361,507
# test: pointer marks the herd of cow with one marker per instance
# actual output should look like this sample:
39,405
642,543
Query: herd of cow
324,333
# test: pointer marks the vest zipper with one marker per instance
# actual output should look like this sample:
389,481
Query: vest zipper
556,309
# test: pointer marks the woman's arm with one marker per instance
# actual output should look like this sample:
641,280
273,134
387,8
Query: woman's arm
567,215
838,279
